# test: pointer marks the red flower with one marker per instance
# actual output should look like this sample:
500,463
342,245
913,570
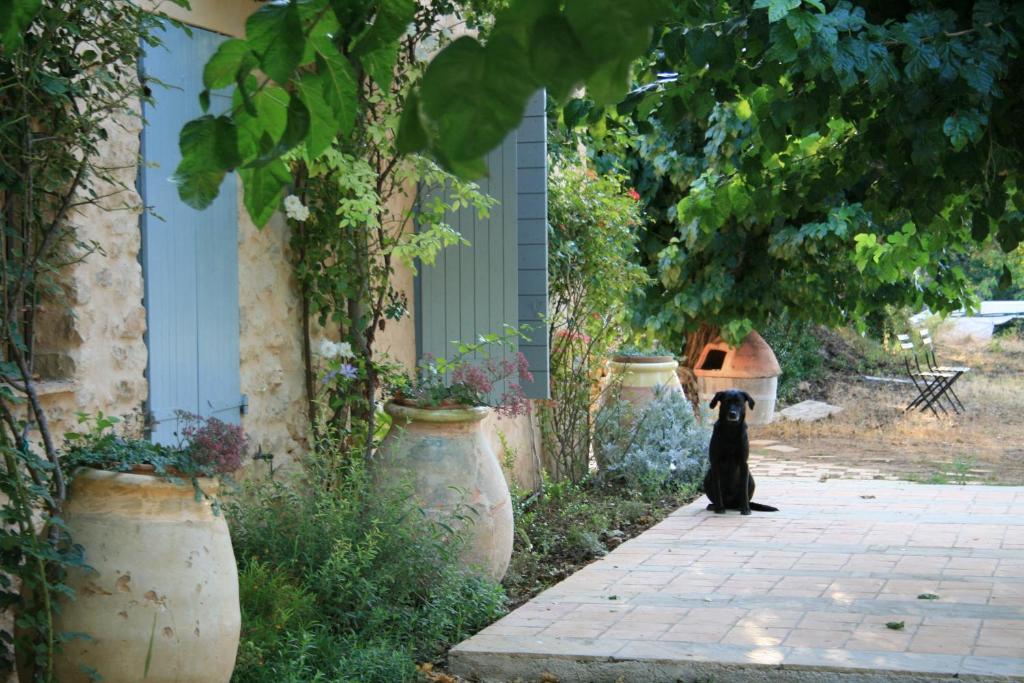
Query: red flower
634,194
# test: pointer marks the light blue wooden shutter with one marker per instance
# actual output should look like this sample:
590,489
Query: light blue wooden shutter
189,257
500,278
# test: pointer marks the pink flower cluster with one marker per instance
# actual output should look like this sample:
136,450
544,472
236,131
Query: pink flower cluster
481,378
215,444
473,377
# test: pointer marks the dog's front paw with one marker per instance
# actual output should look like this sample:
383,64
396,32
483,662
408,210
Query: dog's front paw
720,511
745,512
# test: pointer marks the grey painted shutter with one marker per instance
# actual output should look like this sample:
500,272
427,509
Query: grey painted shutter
189,257
500,278
533,242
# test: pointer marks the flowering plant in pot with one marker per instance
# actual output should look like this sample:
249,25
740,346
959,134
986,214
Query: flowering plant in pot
206,448
654,353
437,442
460,383
158,597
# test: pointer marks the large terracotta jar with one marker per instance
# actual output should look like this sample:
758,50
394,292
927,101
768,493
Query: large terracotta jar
164,587
445,455
635,377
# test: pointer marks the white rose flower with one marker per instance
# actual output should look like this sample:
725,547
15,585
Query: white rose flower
295,209
344,350
328,349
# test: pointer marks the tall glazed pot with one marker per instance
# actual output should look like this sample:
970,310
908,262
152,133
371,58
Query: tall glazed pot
445,455
164,589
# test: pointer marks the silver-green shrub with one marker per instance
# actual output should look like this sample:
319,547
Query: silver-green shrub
659,444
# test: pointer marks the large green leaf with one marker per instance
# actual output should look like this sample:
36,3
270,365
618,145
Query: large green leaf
612,31
323,120
380,64
391,21
15,18
264,188
556,56
777,9
472,97
209,149
223,67
339,83
274,33
456,76
411,136
270,118
610,83
326,26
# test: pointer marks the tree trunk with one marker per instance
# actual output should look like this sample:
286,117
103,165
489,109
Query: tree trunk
695,343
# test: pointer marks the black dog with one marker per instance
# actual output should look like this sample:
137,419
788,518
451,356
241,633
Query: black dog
728,483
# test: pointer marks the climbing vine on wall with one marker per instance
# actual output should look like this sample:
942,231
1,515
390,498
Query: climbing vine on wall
67,72
355,218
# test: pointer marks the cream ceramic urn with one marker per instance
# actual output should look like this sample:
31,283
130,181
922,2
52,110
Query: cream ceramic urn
634,378
161,604
445,456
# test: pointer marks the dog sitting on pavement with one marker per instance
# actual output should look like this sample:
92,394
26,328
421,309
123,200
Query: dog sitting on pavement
728,483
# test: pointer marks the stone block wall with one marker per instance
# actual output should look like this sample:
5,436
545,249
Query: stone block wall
92,346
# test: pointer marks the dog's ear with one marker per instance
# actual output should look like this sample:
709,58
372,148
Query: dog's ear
749,399
716,399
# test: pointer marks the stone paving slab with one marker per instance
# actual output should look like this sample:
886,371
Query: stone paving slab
809,411
781,464
803,594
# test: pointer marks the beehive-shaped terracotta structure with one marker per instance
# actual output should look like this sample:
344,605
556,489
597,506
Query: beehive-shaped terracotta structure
751,367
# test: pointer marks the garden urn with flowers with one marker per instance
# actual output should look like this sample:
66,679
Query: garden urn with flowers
437,445
158,598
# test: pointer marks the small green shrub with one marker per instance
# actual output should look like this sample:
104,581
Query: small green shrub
341,581
594,223
798,351
1010,329
584,544
661,444
564,526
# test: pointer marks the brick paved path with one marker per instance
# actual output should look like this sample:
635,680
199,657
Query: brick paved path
799,595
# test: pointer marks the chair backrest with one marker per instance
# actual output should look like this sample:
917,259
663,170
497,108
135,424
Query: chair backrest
929,348
910,353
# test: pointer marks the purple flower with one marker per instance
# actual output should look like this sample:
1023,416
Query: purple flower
347,370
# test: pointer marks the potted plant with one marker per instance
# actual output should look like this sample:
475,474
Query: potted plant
158,600
635,372
437,443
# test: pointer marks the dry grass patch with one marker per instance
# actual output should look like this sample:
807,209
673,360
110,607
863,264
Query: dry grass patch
985,444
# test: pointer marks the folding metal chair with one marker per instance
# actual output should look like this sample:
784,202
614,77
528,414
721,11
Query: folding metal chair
928,351
930,385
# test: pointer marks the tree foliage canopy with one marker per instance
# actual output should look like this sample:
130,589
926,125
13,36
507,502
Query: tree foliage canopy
818,158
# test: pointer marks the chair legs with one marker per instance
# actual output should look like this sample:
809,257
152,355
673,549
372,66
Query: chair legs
931,388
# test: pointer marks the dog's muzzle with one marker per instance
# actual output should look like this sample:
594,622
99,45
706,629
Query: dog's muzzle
732,417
